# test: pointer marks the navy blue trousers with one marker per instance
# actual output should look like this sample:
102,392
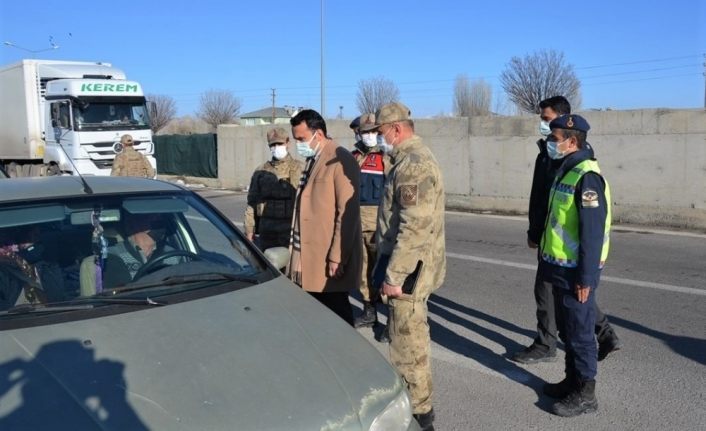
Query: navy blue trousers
576,324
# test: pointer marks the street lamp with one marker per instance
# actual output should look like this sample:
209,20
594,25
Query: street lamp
32,51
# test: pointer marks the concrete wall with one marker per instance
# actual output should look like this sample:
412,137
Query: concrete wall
655,161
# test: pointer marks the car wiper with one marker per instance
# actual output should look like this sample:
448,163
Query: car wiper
76,304
182,279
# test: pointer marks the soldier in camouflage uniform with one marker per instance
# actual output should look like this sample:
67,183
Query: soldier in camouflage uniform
131,163
411,251
373,164
273,188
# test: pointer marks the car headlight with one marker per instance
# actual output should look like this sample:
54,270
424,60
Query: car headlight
396,416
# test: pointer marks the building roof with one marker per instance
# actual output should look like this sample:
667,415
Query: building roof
267,113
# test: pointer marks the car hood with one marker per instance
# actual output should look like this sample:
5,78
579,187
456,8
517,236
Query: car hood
264,357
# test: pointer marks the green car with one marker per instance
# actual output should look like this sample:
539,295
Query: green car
133,304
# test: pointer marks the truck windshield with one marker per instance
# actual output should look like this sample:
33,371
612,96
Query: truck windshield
111,115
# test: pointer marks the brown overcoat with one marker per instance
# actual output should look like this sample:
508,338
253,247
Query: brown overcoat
329,218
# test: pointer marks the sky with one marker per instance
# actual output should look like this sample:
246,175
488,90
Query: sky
628,54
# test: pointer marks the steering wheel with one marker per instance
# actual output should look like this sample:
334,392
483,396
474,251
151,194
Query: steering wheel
153,265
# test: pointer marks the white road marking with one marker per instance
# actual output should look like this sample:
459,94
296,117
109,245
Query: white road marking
618,280
616,227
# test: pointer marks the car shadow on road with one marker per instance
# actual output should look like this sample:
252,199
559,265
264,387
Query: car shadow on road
456,343
688,347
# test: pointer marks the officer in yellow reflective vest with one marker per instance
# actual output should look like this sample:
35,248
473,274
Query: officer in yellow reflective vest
574,248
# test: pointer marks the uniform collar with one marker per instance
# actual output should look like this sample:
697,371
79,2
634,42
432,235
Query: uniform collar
574,159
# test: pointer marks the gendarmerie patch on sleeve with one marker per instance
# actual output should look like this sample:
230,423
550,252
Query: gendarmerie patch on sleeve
408,194
589,199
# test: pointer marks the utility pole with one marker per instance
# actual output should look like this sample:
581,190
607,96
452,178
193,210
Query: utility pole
323,81
273,106
704,81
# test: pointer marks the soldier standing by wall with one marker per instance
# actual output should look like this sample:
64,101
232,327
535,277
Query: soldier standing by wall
131,163
412,252
373,165
273,187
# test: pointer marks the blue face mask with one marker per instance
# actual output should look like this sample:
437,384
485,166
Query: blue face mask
553,150
544,129
304,150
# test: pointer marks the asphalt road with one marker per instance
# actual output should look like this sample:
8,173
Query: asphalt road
652,289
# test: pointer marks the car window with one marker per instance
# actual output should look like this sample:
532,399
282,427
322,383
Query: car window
64,250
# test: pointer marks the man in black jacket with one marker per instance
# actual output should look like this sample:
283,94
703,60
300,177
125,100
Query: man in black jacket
543,349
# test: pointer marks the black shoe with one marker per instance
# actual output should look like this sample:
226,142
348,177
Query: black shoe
368,318
385,335
534,354
560,390
425,420
607,345
581,400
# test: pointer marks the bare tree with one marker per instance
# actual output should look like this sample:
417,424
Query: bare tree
162,111
218,107
529,80
481,95
375,92
462,96
471,99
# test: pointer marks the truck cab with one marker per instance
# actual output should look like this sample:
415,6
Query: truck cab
88,117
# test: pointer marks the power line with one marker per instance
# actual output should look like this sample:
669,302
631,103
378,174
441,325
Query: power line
657,60
659,69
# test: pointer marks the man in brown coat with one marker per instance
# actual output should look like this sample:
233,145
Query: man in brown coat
131,163
326,233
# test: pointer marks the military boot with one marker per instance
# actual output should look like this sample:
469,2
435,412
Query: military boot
534,354
368,318
562,389
385,335
607,344
581,400
425,420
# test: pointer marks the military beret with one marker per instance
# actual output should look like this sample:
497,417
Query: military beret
355,123
277,136
570,122
391,113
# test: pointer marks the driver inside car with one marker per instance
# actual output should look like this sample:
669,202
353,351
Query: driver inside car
139,241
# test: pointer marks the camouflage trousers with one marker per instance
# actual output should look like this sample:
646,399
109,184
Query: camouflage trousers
369,257
410,349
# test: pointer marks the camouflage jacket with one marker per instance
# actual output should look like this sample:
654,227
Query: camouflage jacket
273,188
411,218
131,163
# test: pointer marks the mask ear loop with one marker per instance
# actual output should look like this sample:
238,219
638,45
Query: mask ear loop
100,248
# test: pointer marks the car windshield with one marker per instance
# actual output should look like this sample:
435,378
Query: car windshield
68,250
111,115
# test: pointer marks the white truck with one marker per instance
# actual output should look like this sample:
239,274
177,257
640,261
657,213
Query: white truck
82,107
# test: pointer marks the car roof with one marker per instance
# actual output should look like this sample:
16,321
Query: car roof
33,188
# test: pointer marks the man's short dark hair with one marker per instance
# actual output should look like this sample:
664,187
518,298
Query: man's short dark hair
559,104
314,121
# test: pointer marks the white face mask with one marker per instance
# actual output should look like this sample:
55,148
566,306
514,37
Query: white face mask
370,139
384,146
279,152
